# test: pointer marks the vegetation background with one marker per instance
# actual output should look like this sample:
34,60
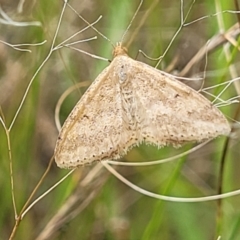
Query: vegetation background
96,205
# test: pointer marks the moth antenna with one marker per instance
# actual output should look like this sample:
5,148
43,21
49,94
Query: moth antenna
134,16
91,25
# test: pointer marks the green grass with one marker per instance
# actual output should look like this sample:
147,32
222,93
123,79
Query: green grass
114,211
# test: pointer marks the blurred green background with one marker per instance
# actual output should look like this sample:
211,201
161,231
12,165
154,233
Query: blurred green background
105,208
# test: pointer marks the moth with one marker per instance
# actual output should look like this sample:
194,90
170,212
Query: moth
129,103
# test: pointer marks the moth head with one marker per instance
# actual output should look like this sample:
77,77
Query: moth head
119,50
